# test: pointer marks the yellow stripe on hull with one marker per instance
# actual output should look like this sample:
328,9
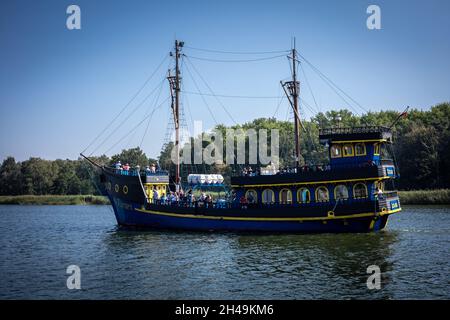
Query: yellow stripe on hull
193,216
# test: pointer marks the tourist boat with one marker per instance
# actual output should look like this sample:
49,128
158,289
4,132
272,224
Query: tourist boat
353,193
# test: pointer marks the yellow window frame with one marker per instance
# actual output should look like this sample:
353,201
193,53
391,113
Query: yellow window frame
364,148
376,149
317,194
365,187
339,148
344,153
255,198
289,201
335,191
263,197
299,195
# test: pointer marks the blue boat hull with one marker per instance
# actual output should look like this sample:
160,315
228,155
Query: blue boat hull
134,215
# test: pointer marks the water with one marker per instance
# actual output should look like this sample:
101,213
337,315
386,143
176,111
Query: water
39,242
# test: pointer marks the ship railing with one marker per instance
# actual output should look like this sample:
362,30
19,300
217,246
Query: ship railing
388,194
352,130
156,173
387,162
134,172
308,169
227,204
221,203
384,200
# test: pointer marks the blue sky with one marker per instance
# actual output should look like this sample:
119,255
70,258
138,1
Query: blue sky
59,88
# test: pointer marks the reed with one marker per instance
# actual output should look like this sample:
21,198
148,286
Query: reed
54,200
437,196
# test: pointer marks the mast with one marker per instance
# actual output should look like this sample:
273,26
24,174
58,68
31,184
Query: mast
175,93
292,90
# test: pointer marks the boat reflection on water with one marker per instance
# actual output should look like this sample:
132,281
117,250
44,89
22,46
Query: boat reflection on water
231,266
323,262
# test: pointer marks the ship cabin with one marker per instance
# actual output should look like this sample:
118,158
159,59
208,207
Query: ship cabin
158,181
361,169
135,184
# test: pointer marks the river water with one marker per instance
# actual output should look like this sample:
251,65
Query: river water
38,243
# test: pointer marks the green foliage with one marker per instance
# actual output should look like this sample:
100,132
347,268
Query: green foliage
133,157
60,177
422,150
10,177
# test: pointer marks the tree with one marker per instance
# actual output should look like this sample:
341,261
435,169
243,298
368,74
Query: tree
38,176
10,177
422,143
419,158
133,157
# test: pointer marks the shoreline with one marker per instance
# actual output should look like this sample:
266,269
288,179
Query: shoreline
54,200
412,197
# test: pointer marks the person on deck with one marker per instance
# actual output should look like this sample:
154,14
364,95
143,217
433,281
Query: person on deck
379,193
118,165
126,167
243,201
147,170
153,168
155,196
190,198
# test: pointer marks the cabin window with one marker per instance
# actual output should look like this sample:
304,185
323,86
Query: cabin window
336,151
303,195
268,196
376,149
360,149
322,194
252,196
340,192
348,150
285,196
360,190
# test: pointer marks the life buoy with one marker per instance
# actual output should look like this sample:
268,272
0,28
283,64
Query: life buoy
125,189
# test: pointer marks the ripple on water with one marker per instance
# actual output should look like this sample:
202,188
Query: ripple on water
39,242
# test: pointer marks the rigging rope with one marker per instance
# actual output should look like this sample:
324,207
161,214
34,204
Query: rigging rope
213,94
233,96
203,99
148,123
138,125
323,76
244,60
210,90
127,117
237,52
279,104
127,104
309,87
